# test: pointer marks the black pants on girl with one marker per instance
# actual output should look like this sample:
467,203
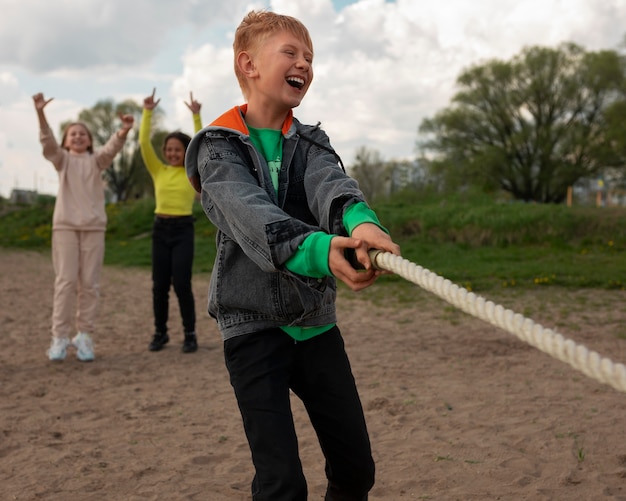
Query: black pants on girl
263,368
172,260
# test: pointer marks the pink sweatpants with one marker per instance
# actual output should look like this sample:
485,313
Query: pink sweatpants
77,258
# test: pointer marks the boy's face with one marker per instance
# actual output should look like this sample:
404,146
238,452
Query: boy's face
283,71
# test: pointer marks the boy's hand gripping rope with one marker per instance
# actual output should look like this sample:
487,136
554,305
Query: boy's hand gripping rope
588,362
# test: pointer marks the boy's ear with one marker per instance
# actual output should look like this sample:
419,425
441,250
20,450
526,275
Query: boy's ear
246,64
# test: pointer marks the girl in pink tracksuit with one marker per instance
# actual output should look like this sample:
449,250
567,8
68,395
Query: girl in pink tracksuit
78,227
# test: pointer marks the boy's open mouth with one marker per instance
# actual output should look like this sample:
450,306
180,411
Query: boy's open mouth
296,82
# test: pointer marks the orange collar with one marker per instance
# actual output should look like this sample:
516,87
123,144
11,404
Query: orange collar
234,119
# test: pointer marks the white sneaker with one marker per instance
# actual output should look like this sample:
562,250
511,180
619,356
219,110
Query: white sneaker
58,348
84,347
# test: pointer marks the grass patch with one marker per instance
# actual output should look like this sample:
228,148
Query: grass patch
477,243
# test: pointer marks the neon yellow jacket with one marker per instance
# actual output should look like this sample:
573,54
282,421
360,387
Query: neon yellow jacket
173,192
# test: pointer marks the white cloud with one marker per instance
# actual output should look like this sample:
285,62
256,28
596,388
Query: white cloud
9,89
208,73
380,66
82,34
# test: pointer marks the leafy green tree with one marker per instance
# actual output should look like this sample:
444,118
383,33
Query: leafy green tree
531,126
616,134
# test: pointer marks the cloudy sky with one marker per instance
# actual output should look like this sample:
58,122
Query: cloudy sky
381,66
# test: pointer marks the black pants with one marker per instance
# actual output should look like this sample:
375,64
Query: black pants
263,367
172,260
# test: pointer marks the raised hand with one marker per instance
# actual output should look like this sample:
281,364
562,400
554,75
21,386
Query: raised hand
149,103
193,105
40,101
127,123
127,120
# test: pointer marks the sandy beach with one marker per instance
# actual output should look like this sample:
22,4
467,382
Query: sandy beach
457,409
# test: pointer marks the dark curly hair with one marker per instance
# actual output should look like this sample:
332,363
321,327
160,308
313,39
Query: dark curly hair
181,136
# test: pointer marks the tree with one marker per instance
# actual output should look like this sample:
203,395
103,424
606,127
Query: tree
378,178
371,173
531,126
407,175
616,134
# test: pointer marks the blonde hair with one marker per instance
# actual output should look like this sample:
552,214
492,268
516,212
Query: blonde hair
84,126
256,27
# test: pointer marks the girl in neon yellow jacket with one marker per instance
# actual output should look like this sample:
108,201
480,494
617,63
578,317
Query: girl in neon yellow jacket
173,228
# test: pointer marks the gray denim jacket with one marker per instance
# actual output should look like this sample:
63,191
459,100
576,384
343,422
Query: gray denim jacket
258,230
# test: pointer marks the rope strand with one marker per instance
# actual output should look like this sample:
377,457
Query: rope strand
578,356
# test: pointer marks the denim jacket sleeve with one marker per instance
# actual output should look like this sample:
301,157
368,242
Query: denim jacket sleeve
237,198
329,190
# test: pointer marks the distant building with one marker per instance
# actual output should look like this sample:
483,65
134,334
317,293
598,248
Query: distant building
594,191
26,197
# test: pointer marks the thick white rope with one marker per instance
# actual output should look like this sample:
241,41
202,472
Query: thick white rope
588,362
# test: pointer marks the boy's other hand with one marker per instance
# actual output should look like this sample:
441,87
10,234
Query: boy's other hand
374,238
343,270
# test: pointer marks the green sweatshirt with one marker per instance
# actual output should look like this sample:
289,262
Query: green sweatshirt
311,257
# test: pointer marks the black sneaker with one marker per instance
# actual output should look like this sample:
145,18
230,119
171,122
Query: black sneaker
158,341
190,344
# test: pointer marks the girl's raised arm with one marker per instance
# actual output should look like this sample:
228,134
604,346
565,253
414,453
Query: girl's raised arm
40,104
127,124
